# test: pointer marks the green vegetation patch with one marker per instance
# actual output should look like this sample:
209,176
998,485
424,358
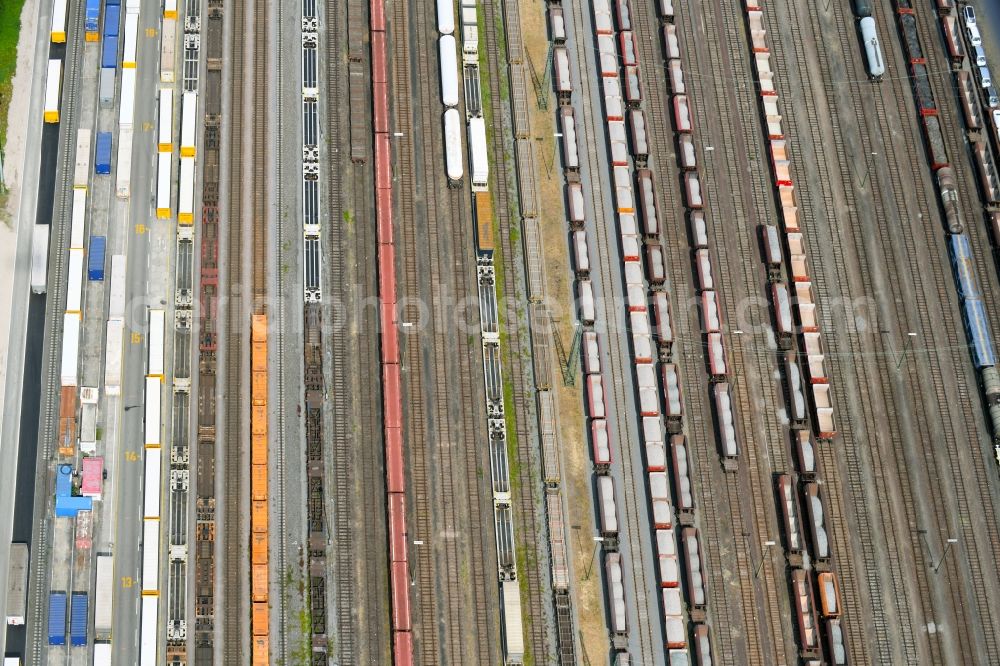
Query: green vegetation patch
10,30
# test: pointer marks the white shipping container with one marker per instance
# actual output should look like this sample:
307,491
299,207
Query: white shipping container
453,145
185,202
70,348
150,556
103,600
155,338
132,6
74,291
53,84
116,310
163,174
168,50
81,165
449,70
76,233
58,32
445,16
512,625
147,640
113,360
39,258
165,139
126,112
189,123
102,654
477,149
151,488
124,171
169,9
153,389
131,38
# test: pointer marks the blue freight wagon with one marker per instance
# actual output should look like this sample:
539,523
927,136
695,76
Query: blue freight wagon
78,619
112,14
109,52
95,258
102,163
91,16
57,618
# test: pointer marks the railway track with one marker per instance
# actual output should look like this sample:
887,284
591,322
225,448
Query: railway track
441,505
529,537
633,500
54,304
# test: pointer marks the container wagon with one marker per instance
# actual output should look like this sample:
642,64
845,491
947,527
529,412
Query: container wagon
53,86
17,583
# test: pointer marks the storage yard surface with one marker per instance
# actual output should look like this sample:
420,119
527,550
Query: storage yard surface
637,332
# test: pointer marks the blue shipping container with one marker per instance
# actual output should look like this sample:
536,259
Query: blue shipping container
95,259
109,52
91,15
57,618
113,3
111,16
102,163
78,620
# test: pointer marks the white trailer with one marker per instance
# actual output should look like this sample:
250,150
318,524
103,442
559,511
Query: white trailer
478,156
189,123
113,360
81,164
124,173
58,32
151,489
53,85
17,583
151,555
74,291
449,70
131,38
157,318
39,258
165,140
79,219
163,173
116,308
126,114
70,348
185,201
148,633
168,50
154,387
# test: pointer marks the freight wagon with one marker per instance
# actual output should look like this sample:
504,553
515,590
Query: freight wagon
445,17
449,71
454,166
873,51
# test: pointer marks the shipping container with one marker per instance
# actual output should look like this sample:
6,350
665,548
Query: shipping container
449,70
170,9
112,18
163,183
93,477
157,319
185,200
126,109
70,349
478,156
53,86
113,357
103,598
130,39
96,258
57,618
109,52
39,258
454,166
78,220
513,632
165,134
17,583
74,290
102,654
106,87
151,484
102,154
